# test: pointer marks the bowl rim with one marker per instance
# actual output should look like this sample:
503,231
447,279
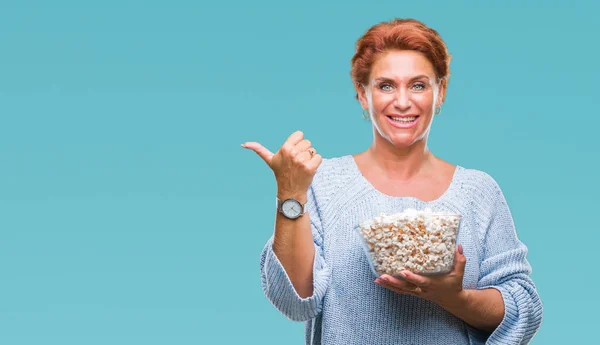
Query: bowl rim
371,221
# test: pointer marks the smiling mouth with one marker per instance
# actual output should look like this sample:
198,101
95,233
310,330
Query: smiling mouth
403,119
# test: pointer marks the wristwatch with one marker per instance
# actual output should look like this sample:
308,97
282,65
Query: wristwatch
291,208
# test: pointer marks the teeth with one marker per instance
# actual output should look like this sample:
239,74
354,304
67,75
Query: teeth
404,119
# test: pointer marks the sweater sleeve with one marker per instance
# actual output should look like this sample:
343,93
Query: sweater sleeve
277,285
505,268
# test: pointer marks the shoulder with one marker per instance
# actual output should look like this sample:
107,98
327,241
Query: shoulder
479,181
481,192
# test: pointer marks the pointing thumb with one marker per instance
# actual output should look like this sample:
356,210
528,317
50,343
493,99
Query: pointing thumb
260,150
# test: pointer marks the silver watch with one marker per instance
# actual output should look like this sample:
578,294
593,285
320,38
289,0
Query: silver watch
291,208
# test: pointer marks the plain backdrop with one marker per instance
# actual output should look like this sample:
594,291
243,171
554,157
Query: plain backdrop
129,213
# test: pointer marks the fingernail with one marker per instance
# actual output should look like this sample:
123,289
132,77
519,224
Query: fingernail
243,145
460,248
402,274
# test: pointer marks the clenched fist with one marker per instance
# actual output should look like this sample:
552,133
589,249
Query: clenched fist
294,165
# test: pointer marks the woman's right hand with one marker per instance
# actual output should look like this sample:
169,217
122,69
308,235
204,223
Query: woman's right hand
294,165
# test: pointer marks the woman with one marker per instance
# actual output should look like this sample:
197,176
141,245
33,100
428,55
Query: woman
314,270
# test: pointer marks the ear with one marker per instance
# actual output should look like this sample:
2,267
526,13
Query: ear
362,96
441,94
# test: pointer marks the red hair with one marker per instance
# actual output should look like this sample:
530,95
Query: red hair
400,34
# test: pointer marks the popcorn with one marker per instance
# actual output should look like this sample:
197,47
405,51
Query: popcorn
422,242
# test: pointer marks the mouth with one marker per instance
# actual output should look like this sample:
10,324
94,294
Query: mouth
404,121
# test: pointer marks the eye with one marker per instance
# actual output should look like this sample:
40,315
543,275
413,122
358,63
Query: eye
386,87
419,86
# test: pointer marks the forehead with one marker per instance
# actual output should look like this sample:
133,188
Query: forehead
400,64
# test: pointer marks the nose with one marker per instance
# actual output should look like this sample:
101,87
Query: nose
402,100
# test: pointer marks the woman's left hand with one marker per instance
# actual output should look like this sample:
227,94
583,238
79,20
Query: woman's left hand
441,289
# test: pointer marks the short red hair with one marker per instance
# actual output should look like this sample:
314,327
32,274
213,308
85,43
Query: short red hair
400,34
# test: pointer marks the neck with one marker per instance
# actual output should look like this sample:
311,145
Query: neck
400,164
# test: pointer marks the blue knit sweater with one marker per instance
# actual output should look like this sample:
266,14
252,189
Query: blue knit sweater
347,307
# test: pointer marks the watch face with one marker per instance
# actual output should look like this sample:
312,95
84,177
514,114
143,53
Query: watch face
291,208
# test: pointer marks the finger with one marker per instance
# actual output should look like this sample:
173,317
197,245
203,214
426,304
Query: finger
305,156
314,162
460,260
407,288
260,150
393,288
413,278
302,146
397,283
293,139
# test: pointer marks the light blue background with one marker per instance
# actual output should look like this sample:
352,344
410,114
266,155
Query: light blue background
129,214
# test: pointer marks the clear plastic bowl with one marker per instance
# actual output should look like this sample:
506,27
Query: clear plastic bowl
418,241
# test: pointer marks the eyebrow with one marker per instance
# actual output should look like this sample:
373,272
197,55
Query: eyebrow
411,79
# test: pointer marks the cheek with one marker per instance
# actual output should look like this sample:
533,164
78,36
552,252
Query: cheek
381,101
423,100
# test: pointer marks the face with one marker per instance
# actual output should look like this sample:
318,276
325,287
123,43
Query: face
401,97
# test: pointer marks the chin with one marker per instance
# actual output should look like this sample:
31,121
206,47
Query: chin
402,139
402,143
